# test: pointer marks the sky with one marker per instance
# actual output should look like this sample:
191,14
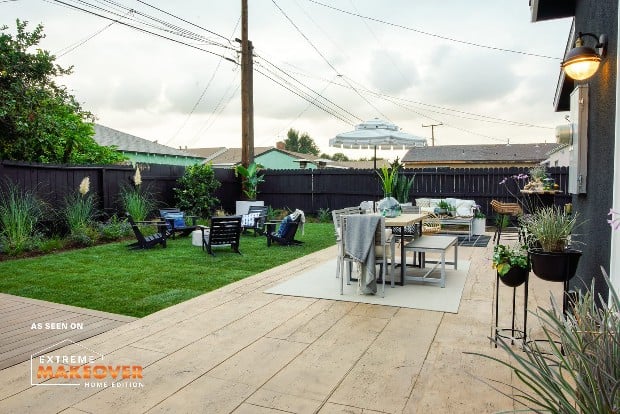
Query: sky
480,68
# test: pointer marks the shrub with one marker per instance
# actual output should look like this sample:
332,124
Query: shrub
20,212
195,190
79,214
114,229
324,215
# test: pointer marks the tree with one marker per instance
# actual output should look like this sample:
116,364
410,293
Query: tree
39,120
195,192
339,156
300,143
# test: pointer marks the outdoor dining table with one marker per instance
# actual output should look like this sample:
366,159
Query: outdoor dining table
402,221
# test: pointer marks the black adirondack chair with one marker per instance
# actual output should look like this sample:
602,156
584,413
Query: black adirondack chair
176,222
288,237
146,242
224,231
258,223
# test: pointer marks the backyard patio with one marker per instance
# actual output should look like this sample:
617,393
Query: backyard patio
238,349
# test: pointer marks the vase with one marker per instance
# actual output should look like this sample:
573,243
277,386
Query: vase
515,277
554,266
389,206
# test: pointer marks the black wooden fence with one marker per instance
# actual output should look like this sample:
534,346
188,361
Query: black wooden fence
308,190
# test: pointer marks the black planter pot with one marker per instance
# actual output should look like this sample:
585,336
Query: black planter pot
555,266
515,277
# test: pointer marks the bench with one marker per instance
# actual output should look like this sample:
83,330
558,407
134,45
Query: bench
436,244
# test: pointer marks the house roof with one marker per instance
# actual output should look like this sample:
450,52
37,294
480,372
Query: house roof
481,153
232,156
361,165
130,143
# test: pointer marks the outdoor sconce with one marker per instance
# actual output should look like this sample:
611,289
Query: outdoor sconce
582,61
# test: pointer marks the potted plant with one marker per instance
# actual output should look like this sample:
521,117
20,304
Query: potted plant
442,207
251,177
388,206
511,263
549,230
478,225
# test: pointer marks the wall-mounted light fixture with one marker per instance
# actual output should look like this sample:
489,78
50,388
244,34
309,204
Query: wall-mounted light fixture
582,61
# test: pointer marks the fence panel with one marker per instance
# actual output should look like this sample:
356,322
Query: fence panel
308,190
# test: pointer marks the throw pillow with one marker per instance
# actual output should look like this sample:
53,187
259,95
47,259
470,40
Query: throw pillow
423,202
464,207
247,220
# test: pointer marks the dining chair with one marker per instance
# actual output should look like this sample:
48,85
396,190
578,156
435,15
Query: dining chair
336,214
384,250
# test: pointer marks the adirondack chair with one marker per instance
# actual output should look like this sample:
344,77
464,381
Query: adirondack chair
146,242
224,231
285,236
254,220
176,222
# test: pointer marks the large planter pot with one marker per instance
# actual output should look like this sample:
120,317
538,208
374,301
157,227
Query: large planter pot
478,226
515,277
554,266
389,207
242,207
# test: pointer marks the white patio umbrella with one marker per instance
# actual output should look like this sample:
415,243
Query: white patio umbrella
376,133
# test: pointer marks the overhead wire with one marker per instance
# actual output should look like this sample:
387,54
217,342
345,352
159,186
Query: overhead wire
325,59
451,39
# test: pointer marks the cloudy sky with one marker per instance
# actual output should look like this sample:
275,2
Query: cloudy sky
413,62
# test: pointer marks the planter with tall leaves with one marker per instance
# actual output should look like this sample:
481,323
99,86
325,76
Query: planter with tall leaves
251,178
549,230
388,206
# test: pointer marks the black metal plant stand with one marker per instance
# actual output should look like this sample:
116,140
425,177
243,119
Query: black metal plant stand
514,333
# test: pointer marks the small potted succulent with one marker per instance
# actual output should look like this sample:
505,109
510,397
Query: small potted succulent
549,230
511,263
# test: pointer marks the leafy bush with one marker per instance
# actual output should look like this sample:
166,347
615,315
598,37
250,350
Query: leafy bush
20,212
79,213
580,376
324,215
195,190
137,201
114,229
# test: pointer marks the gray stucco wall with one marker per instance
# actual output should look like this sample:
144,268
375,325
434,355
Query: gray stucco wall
598,17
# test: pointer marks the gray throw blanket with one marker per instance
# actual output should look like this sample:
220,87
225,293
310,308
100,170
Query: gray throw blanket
359,241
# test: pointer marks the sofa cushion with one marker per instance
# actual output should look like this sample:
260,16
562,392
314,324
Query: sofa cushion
465,207
423,202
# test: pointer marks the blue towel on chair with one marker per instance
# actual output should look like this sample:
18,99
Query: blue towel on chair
359,241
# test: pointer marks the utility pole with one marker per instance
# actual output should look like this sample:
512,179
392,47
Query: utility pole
432,130
247,98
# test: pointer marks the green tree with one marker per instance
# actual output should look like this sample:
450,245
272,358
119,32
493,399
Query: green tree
195,190
300,143
39,120
339,156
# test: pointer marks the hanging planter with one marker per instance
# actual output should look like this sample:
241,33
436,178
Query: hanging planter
516,276
555,266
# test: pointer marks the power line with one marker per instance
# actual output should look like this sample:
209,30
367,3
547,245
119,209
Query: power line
433,34
326,60
66,50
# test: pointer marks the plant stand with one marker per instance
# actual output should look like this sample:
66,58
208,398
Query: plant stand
514,333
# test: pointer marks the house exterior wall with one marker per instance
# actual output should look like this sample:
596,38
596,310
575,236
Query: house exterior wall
135,157
560,158
598,17
277,160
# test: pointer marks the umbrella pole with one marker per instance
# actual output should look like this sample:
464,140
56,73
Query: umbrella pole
374,164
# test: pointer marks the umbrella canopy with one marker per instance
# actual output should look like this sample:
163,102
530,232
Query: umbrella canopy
377,133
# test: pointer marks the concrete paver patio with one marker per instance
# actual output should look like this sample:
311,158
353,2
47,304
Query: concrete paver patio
239,350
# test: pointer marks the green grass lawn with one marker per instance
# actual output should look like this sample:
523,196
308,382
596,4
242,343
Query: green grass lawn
112,278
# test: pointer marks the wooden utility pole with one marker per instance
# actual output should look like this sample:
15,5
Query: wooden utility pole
247,99
432,131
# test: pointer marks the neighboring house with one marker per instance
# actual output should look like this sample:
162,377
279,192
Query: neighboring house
142,150
269,157
478,156
600,130
559,157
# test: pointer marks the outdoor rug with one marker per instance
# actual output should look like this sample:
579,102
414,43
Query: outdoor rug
476,241
321,282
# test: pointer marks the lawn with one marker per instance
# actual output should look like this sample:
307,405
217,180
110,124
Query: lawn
112,278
